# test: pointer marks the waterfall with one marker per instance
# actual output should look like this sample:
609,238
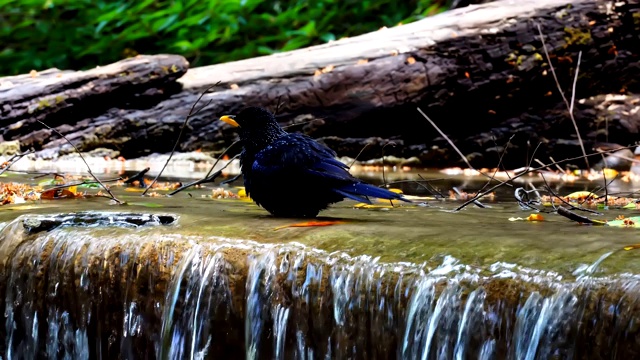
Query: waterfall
78,293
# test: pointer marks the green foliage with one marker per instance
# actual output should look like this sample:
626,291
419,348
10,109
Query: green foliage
76,34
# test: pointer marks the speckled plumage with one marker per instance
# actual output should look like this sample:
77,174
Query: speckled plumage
292,175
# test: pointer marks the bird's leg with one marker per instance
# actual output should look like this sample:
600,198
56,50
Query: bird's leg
228,181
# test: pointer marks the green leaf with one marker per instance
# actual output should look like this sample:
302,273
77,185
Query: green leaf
327,37
161,24
627,222
183,45
90,186
49,182
147,204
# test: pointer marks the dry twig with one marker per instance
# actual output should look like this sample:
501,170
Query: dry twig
573,93
184,125
113,197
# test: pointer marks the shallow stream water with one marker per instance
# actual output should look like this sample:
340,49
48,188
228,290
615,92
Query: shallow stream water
412,282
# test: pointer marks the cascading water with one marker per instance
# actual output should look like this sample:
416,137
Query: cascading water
75,293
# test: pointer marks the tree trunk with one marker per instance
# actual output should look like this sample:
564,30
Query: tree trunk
479,72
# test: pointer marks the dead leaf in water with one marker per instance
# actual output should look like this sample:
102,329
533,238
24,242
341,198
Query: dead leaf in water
371,206
630,222
535,217
130,189
532,217
310,224
58,194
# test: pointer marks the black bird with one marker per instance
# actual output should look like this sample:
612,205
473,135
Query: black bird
290,174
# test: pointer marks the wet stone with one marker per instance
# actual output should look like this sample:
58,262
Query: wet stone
37,224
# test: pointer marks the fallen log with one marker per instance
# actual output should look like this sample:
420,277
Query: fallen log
61,98
478,71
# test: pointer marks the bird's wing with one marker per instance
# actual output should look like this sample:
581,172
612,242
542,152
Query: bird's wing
299,154
301,157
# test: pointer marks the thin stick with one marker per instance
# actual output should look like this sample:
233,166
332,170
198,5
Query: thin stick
479,195
557,166
564,98
604,176
139,176
553,194
85,162
184,125
360,153
464,158
453,145
573,88
499,164
220,157
12,160
384,180
83,182
622,157
432,190
533,155
207,179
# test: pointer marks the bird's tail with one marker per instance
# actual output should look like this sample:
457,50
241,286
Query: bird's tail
362,191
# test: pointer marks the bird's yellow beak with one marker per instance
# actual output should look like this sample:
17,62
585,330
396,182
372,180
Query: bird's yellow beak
229,120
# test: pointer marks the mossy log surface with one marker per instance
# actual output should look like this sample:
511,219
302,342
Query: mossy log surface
479,72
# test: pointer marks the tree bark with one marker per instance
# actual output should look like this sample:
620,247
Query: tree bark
479,72
62,98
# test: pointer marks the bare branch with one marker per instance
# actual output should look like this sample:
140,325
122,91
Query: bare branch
564,98
192,112
464,158
85,162
12,160
479,195
206,179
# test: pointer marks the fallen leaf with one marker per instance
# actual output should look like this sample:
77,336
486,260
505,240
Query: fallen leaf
132,189
310,224
609,173
535,217
631,247
633,222
147,204
580,195
371,206
57,194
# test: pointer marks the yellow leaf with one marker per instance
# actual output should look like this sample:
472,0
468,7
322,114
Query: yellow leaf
631,247
609,173
130,189
535,217
580,195
370,206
